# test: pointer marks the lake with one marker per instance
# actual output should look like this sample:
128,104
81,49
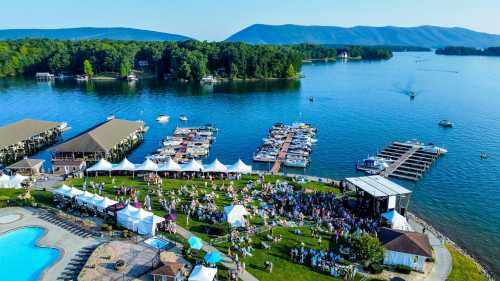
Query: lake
358,108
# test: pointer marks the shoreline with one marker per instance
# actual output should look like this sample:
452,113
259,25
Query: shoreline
445,239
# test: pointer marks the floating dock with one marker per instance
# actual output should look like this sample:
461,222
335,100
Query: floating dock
409,160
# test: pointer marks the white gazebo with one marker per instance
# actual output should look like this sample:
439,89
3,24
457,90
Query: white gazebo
240,168
169,166
215,167
397,221
202,273
235,215
102,166
192,166
147,166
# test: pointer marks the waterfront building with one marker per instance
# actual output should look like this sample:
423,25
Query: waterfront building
44,76
27,167
110,140
27,137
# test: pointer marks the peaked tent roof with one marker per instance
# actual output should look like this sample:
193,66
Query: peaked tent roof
405,242
170,166
62,190
102,165
192,166
397,220
104,203
124,165
202,273
215,167
23,130
378,186
239,167
101,138
27,164
147,165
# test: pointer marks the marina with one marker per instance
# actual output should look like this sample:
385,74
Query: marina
288,145
404,160
186,143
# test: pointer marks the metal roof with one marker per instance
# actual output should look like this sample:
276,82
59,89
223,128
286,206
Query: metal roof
24,130
378,186
27,164
101,138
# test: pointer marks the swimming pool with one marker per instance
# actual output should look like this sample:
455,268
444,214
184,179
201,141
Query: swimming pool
159,243
20,258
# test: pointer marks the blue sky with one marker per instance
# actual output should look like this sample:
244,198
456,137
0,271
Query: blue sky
217,19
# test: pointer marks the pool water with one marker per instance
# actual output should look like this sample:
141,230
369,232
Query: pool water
20,258
159,243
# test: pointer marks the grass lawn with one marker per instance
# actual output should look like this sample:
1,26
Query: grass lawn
11,194
463,268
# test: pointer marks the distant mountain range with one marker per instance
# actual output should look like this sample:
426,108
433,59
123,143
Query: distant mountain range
423,36
87,33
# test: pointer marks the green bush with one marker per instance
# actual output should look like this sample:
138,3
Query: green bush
368,249
375,268
403,269
125,233
219,229
107,227
344,262
429,259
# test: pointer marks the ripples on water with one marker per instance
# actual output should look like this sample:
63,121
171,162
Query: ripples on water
358,108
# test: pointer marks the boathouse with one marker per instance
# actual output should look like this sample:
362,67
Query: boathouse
110,140
27,137
381,194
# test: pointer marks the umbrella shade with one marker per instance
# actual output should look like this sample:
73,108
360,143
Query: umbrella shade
171,217
195,243
212,257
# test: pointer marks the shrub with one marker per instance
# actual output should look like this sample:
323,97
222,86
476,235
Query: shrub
219,229
125,233
344,262
368,249
106,227
429,259
375,268
403,269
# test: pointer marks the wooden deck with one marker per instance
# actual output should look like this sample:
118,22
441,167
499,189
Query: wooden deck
282,155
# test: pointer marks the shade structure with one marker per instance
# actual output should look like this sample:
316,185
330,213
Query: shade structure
102,166
101,205
235,215
239,167
192,166
212,257
215,167
16,181
169,166
73,192
202,273
62,190
4,181
138,220
84,198
397,221
124,165
147,165
148,225
195,243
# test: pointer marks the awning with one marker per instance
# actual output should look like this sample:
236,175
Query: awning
378,186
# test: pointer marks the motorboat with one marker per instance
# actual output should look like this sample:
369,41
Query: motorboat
162,118
183,118
373,165
110,117
446,123
82,78
132,78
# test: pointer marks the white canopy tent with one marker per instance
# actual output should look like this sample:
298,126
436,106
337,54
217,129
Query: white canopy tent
85,198
239,167
202,273
147,165
397,221
235,215
62,190
215,167
170,166
148,225
102,166
192,166
73,192
16,181
124,165
102,204
4,181
138,220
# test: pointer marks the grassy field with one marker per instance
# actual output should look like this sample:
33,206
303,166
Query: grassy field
463,268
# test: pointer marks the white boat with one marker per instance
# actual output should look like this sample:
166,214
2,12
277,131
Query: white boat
132,78
162,118
209,79
373,165
110,117
183,118
446,123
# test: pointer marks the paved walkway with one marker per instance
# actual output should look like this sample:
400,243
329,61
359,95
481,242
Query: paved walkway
226,261
442,263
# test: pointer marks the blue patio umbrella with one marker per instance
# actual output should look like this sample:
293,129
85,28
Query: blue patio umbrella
213,257
195,243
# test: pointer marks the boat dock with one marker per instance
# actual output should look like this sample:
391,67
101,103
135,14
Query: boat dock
288,145
186,144
409,160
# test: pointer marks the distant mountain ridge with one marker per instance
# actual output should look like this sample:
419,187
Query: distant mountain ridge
423,36
87,33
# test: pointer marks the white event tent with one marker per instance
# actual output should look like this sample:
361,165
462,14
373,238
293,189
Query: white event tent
202,273
12,182
69,192
170,166
138,220
84,198
101,204
125,165
192,166
235,215
147,166
4,181
397,221
239,167
215,167
62,190
102,166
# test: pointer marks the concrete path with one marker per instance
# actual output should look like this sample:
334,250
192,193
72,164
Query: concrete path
443,262
226,261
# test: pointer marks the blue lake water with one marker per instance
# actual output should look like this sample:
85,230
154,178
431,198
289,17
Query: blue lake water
358,108
20,258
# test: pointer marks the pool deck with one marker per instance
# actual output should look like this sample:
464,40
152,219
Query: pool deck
56,237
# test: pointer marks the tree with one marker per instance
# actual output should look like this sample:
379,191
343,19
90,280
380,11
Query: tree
125,69
87,68
185,71
291,72
233,71
368,249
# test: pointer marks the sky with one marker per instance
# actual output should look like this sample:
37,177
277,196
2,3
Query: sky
215,20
